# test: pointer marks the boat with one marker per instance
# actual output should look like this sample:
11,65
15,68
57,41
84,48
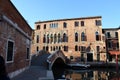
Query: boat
78,66
78,71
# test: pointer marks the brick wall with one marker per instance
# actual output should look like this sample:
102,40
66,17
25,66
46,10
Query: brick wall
14,27
8,9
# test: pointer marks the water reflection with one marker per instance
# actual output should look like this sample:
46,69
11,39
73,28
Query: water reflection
93,74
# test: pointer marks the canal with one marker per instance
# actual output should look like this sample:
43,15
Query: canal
86,74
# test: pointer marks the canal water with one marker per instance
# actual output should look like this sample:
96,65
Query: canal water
86,74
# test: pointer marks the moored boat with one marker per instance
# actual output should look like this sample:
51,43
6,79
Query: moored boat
79,66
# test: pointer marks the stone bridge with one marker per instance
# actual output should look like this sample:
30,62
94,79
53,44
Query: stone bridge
48,60
56,59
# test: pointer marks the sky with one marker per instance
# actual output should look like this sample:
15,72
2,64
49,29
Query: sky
42,10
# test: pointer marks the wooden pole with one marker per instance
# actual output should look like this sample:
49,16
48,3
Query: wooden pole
116,62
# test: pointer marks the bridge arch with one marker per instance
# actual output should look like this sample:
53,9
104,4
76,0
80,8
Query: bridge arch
57,57
59,62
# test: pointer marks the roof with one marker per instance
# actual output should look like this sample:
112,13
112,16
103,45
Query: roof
92,17
111,28
20,15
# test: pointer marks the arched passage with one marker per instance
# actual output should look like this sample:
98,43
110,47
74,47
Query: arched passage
55,59
58,63
58,67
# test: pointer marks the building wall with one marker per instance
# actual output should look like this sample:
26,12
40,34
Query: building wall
8,9
15,38
9,33
89,28
113,37
112,43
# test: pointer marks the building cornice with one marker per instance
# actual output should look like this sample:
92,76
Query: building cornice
92,17
15,26
20,15
110,28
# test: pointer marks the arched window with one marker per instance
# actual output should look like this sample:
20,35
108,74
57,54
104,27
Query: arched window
51,38
76,37
65,48
76,48
65,38
59,39
38,27
44,26
37,39
98,37
55,38
83,36
54,48
51,48
43,47
59,48
47,48
44,39
48,38
64,25
116,34
37,48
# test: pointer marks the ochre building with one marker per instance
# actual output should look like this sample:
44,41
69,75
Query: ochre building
80,39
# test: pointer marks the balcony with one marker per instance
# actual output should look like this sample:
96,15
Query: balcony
112,37
113,49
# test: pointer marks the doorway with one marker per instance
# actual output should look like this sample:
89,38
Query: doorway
89,57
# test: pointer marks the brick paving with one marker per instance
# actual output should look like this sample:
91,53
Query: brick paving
34,73
37,70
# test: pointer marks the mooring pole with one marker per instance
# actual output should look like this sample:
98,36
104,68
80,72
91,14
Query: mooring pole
116,62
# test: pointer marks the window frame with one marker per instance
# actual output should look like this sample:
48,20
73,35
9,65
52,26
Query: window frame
44,38
38,27
76,23
83,49
27,53
97,36
98,22
76,37
64,25
116,34
83,36
37,48
37,39
108,35
12,51
76,48
44,26
66,48
82,23
97,49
